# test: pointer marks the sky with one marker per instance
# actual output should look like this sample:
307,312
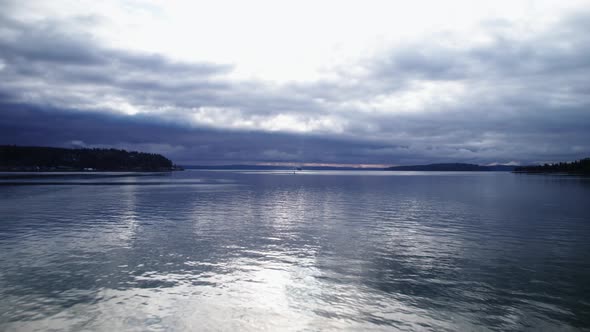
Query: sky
328,82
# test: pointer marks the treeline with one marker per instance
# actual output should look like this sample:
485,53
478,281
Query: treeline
35,158
577,167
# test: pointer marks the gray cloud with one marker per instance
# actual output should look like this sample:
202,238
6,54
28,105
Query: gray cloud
522,99
25,124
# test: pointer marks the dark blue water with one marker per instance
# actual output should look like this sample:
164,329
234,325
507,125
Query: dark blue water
204,250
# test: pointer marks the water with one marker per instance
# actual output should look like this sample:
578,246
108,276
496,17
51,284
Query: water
252,251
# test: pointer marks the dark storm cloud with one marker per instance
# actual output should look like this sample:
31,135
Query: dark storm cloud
522,99
31,125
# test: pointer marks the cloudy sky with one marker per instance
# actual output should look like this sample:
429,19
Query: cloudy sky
341,82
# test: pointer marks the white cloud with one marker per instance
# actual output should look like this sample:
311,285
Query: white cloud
286,41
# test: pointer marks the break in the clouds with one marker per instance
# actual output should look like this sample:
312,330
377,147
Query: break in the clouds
338,82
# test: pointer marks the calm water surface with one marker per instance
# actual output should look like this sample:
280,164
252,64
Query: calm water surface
222,250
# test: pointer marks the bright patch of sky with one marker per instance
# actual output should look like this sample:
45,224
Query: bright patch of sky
282,41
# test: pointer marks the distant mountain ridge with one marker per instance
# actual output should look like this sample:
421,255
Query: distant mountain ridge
453,167
278,167
430,167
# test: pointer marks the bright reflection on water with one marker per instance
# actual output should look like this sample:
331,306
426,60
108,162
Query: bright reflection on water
201,250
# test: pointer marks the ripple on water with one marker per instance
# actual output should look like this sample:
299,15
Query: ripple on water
334,251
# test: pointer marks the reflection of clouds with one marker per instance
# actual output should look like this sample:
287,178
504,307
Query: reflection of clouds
284,211
128,220
276,253
409,230
75,219
63,253
296,265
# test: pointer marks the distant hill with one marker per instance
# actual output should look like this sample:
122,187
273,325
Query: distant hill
431,167
36,158
453,167
270,167
577,167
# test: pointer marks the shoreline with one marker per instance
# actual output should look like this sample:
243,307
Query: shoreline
82,174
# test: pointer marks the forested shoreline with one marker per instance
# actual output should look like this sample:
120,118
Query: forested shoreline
581,166
48,159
